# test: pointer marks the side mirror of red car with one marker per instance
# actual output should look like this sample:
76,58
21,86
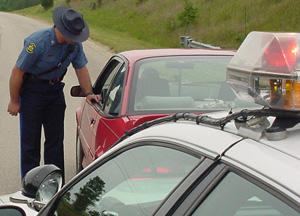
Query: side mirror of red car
76,91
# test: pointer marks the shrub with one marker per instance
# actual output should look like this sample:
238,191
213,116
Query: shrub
93,5
188,15
46,4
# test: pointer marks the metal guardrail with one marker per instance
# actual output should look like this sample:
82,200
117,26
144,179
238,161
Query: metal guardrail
188,42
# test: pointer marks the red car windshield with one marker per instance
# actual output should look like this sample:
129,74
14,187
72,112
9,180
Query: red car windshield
182,83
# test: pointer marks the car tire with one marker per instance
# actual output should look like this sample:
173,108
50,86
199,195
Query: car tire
79,155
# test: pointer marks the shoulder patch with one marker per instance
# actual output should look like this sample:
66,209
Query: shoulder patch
30,48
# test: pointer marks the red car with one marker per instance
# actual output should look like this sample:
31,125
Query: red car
141,85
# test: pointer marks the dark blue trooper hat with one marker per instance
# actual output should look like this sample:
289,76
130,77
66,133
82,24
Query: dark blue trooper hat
71,24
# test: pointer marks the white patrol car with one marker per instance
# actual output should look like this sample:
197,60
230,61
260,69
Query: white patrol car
241,163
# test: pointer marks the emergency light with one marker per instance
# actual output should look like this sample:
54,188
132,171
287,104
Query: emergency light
266,69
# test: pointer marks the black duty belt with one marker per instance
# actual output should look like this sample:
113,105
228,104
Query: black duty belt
35,79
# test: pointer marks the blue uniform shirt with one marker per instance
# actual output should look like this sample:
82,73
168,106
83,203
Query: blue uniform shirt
42,52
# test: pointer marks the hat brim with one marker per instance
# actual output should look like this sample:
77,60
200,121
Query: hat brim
56,16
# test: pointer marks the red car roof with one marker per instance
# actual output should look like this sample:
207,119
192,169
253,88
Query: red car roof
134,55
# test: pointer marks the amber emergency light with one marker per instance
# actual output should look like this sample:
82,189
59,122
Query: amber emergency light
266,70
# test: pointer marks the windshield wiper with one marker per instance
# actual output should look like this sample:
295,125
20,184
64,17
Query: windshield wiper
290,117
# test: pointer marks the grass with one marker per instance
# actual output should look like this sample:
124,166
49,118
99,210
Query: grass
117,40
138,24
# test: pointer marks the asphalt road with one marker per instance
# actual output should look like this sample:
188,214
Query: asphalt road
13,30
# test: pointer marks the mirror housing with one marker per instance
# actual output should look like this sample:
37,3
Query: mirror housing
11,210
76,91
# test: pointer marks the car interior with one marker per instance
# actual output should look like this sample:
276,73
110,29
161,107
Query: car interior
171,86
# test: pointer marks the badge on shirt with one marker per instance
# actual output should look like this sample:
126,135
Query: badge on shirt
30,48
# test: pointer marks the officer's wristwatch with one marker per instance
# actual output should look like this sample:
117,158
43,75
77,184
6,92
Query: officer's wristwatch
90,93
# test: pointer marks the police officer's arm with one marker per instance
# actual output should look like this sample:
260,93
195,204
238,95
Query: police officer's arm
15,83
85,83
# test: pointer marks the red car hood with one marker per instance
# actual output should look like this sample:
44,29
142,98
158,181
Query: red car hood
139,119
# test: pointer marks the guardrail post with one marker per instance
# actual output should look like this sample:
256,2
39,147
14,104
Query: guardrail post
188,42
185,41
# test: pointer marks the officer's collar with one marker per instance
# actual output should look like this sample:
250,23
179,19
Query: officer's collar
53,39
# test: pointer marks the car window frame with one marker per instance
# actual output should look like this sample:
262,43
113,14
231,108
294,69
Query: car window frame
213,178
53,203
101,79
182,191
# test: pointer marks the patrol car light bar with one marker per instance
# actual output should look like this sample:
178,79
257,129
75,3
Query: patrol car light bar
266,70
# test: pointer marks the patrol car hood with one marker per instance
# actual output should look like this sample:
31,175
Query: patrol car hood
188,132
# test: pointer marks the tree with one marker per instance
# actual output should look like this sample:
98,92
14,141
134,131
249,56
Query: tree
46,4
88,194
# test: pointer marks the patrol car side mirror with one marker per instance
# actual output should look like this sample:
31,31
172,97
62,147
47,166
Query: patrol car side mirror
76,91
39,185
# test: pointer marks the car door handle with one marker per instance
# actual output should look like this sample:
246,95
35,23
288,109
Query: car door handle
92,122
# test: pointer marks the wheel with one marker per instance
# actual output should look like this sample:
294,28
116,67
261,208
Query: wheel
79,155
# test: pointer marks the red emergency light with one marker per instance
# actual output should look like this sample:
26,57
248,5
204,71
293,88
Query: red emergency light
266,70
281,54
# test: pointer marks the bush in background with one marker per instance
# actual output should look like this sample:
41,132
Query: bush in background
46,4
188,15
10,5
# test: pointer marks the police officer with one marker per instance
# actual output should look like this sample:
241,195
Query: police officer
36,87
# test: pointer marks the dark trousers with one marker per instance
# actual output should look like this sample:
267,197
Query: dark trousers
42,105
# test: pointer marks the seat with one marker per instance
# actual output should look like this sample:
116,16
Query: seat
150,84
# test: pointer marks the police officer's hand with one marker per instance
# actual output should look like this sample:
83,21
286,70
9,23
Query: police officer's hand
93,98
13,108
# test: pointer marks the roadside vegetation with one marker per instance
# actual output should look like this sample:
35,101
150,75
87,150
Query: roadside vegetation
138,24
9,5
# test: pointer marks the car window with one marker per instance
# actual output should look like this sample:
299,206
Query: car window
195,83
114,95
235,196
133,183
103,81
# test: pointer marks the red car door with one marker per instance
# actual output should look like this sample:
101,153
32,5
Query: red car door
89,124
109,84
111,125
